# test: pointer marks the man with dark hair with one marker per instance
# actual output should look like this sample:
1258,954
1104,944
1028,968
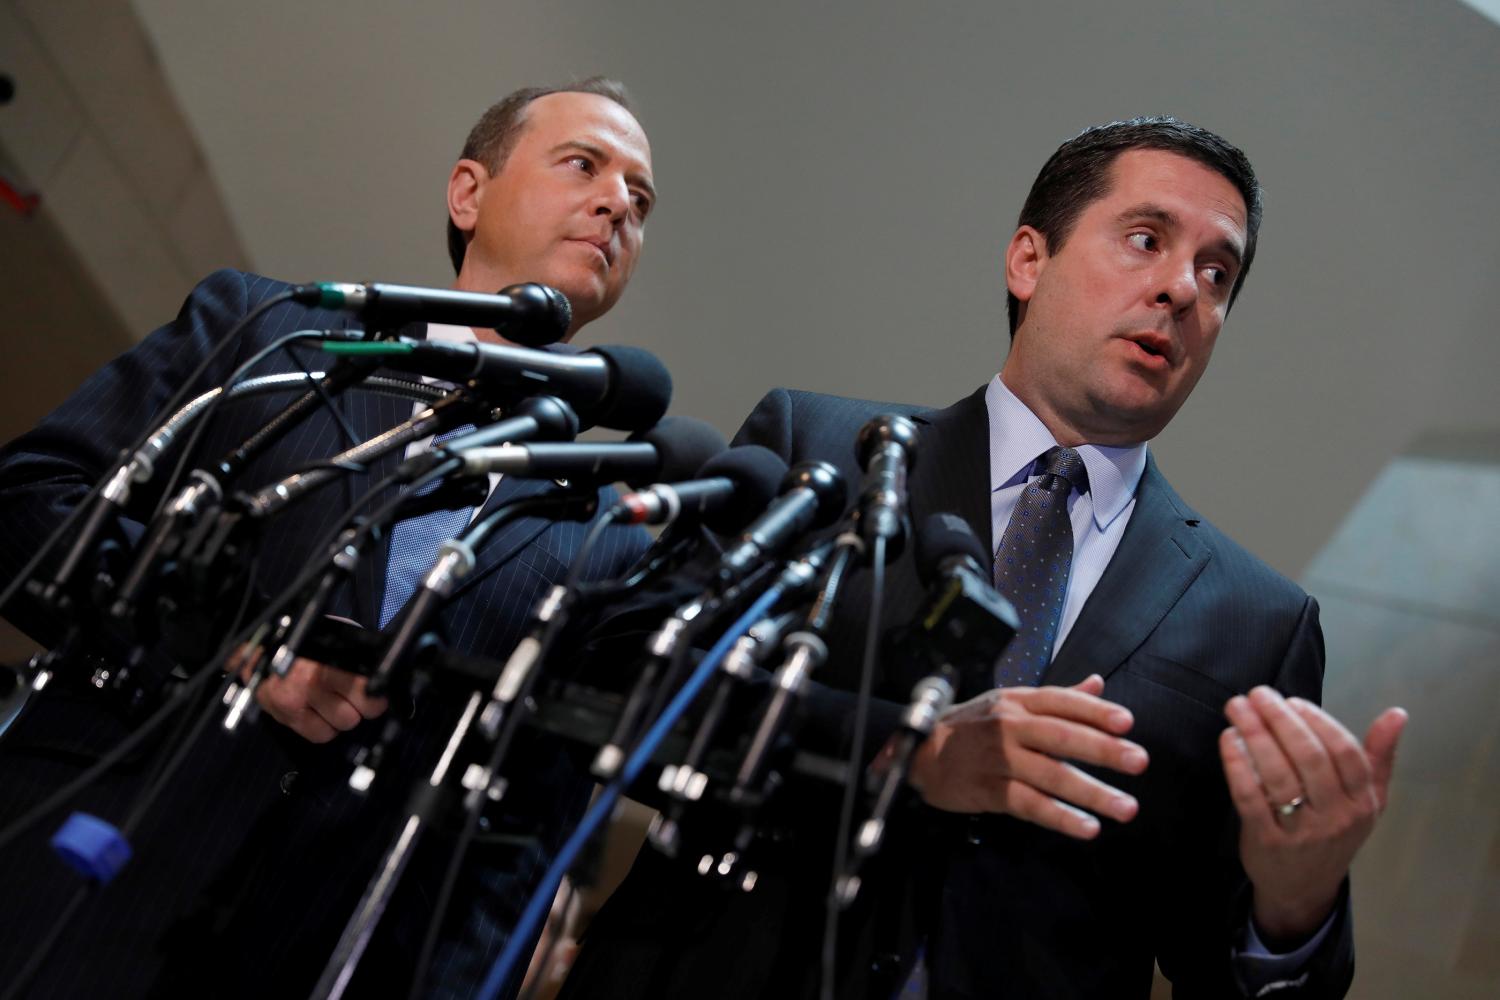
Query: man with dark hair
1079,173
1091,813
253,858
493,137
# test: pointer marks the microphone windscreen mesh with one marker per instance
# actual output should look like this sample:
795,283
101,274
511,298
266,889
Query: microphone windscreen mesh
543,315
640,390
756,473
684,444
941,537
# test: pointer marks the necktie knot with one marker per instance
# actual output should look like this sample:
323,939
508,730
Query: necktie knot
1064,464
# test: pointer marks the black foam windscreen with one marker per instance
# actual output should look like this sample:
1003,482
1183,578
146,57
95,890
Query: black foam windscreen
941,537
640,390
543,314
756,473
684,444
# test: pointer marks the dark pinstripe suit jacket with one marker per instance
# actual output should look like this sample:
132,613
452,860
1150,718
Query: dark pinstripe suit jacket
1182,619
244,874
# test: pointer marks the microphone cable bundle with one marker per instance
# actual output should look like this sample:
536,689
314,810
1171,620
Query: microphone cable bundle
748,573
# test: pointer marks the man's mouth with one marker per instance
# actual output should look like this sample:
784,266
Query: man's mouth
1153,345
601,245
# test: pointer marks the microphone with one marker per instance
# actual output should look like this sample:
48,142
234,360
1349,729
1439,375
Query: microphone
961,629
624,388
887,449
730,489
674,448
812,496
530,314
537,418
966,623
543,417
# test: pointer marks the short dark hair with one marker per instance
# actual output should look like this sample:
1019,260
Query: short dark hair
494,135
1078,174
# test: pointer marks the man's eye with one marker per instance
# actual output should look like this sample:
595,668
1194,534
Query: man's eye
1217,276
582,163
642,204
1142,241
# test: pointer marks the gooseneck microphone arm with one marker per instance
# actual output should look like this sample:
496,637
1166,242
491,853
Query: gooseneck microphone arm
430,797
807,651
538,418
448,412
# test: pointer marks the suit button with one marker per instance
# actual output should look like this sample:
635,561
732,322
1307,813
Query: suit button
287,780
974,832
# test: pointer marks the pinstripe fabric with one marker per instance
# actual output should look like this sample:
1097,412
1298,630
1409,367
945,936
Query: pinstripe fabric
244,875
1181,619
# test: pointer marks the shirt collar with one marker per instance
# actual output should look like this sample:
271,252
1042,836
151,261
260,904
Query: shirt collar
1018,438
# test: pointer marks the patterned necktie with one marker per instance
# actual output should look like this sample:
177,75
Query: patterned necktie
415,541
1032,564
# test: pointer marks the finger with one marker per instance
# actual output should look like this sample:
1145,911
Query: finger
334,709
1278,776
1348,756
1025,802
1380,743
1067,783
1092,684
1244,782
292,713
1079,706
1309,757
243,660
310,726
1068,740
350,687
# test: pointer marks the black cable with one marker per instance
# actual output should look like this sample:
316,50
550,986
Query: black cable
164,412
105,763
444,897
174,752
183,693
471,821
188,735
203,420
58,533
350,438
852,768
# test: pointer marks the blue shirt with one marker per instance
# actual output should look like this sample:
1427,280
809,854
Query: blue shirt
1099,517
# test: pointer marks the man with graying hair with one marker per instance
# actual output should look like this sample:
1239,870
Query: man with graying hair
1149,779
249,864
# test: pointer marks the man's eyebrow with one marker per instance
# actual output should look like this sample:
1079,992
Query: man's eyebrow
1168,219
602,155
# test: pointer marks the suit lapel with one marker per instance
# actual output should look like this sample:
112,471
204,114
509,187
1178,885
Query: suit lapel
952,470
509,538
1158,559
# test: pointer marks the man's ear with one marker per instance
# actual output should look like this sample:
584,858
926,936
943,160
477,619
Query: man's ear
465,189
1025,259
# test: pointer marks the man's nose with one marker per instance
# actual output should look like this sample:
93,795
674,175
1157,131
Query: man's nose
1178,287
612,197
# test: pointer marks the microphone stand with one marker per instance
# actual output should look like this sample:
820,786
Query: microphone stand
807,652
686,782
199,502
430,797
